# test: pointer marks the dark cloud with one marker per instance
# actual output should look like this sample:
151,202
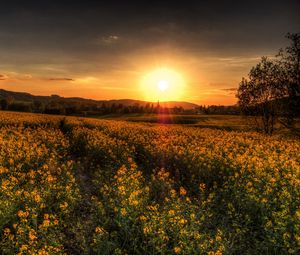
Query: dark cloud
69,26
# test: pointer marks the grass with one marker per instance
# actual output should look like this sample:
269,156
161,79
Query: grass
220,122
193,120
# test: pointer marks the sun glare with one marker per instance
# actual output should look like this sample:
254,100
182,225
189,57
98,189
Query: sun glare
162,84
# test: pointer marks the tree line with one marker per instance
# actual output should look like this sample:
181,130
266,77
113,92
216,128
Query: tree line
61,107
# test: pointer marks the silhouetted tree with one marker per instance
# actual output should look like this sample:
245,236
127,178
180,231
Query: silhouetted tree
4,104
104,109
38,106
262,91
273,88
10,100
20,107
289,60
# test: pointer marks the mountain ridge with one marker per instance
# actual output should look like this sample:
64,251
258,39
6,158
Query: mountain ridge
28,97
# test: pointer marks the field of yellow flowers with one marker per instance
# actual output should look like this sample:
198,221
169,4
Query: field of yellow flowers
83,186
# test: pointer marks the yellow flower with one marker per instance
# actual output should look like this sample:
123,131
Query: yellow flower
50,178
45,167
183,221
182,191
218,238
6,231
171,212
291,251
143,218
202,186
42,252
152,208
123,211
146,230
63,206
32,235
264,200
24,247
121,190
173,193
37,198
22,214
99,230
177,250
46,223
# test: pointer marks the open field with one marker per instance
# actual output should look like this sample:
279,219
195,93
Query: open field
226,121
220,122
97,186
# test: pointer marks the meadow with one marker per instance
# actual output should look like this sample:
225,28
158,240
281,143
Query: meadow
72,185
213,121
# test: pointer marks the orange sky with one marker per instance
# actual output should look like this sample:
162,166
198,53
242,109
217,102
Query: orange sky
207,80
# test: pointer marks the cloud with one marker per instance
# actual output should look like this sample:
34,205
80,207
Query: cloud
88,79
218,84
116,88
108,40
3,77
15,76
230,89
60,79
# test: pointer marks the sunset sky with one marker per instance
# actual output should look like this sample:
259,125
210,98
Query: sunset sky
114,50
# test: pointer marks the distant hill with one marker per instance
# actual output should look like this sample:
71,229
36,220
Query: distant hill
27,97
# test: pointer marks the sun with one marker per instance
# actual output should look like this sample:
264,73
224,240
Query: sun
162,84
